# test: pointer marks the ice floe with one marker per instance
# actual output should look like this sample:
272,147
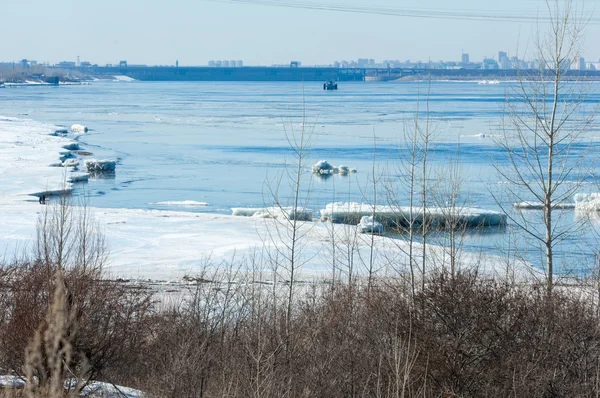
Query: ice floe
540,206
100,166
323,167
399,216
274,212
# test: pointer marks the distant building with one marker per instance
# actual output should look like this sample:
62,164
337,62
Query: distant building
239,63
581,63
122,64
295,64
225,64
489,63
464,59
211,64
85,64
66,64
218,64
503,61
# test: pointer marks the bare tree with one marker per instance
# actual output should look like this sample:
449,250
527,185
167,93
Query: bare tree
415,171
544,122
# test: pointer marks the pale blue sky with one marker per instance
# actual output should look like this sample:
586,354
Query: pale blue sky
157,32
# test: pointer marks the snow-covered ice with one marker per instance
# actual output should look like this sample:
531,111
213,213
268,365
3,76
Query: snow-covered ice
352,212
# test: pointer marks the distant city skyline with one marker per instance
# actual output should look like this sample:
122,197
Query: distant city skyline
503,60
262,32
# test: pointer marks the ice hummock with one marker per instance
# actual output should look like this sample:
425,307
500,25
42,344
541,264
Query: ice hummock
370,226
100,166
274,212
323,167
79,128
399,216
587,201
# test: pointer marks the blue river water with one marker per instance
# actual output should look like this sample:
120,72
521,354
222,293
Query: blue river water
228,143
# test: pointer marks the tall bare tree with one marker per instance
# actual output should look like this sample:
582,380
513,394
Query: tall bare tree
544,123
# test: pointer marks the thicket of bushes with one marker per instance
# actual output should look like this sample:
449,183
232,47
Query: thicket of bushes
462,336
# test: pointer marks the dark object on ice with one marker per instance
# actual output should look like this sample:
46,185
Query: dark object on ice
42,199
330,85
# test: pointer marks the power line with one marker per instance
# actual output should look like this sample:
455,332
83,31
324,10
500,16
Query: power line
457,14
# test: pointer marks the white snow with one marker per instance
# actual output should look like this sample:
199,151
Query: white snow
352,212
180,203
26,149
12,381
108,390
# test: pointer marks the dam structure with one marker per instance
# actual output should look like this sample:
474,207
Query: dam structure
320,74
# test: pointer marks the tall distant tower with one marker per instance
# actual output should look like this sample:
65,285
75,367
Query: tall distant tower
78,63
503,60
465,58
177,63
